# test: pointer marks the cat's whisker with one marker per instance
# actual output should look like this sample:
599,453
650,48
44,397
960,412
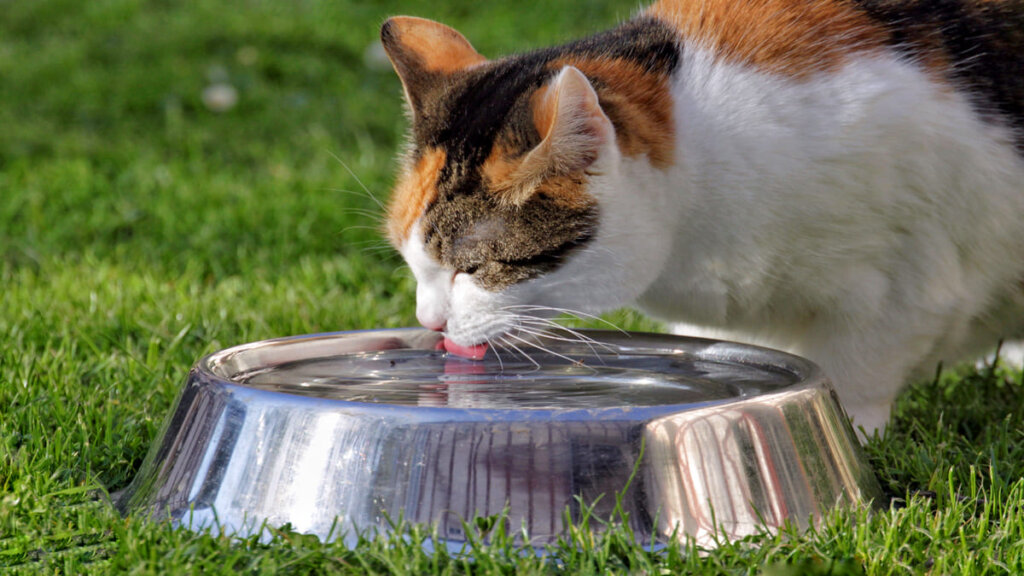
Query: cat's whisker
360,182
576,313
375,227
359,227
355,193
374,244
547,335
545,325
365,213
590,343
578,337
499,343
386,253
501,365
509,345
519,350
373,247
542,348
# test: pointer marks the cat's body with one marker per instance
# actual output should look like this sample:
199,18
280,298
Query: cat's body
840,179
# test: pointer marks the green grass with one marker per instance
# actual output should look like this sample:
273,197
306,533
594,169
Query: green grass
139,231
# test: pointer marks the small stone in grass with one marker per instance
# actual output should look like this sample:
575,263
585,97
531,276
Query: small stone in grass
220,97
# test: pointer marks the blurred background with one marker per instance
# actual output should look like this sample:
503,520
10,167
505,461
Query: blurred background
210,133
179,177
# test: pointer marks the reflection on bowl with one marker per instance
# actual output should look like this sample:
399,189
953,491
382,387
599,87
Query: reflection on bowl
338,433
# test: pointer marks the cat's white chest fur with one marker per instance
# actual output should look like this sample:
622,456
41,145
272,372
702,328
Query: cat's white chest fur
866,218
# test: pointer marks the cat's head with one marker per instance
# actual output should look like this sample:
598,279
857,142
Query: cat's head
513,198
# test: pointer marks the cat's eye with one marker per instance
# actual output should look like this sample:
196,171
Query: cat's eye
470,269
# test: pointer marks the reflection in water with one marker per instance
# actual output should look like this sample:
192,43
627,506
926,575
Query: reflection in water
411,377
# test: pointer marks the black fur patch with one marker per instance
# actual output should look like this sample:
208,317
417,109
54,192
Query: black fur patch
982,39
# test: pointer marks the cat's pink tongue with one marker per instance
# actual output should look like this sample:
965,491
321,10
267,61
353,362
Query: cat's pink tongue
472,352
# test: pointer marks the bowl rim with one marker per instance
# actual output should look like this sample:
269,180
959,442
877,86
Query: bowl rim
217,369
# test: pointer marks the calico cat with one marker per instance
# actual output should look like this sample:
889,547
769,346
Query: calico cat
843,179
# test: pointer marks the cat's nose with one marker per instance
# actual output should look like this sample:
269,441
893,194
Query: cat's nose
432,305
435,324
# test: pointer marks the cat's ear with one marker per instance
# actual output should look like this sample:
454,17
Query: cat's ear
573,130
423,52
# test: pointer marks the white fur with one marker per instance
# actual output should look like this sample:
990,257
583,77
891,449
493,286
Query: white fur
865,218
452,301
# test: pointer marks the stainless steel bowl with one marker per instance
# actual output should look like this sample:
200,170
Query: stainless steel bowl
338,433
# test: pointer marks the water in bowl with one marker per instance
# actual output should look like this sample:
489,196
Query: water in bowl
537,380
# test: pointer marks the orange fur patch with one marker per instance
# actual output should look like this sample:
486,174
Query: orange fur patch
416,189
500,167
504,176
792,37
543,112
437,47
567,192
639,104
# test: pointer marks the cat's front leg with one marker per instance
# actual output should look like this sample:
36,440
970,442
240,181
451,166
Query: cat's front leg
869,365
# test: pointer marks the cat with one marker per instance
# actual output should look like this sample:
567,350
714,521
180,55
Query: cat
842,179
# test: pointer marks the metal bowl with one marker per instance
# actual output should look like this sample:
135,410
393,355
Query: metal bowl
338,434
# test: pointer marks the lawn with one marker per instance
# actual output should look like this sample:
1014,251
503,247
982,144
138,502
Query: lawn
141,229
